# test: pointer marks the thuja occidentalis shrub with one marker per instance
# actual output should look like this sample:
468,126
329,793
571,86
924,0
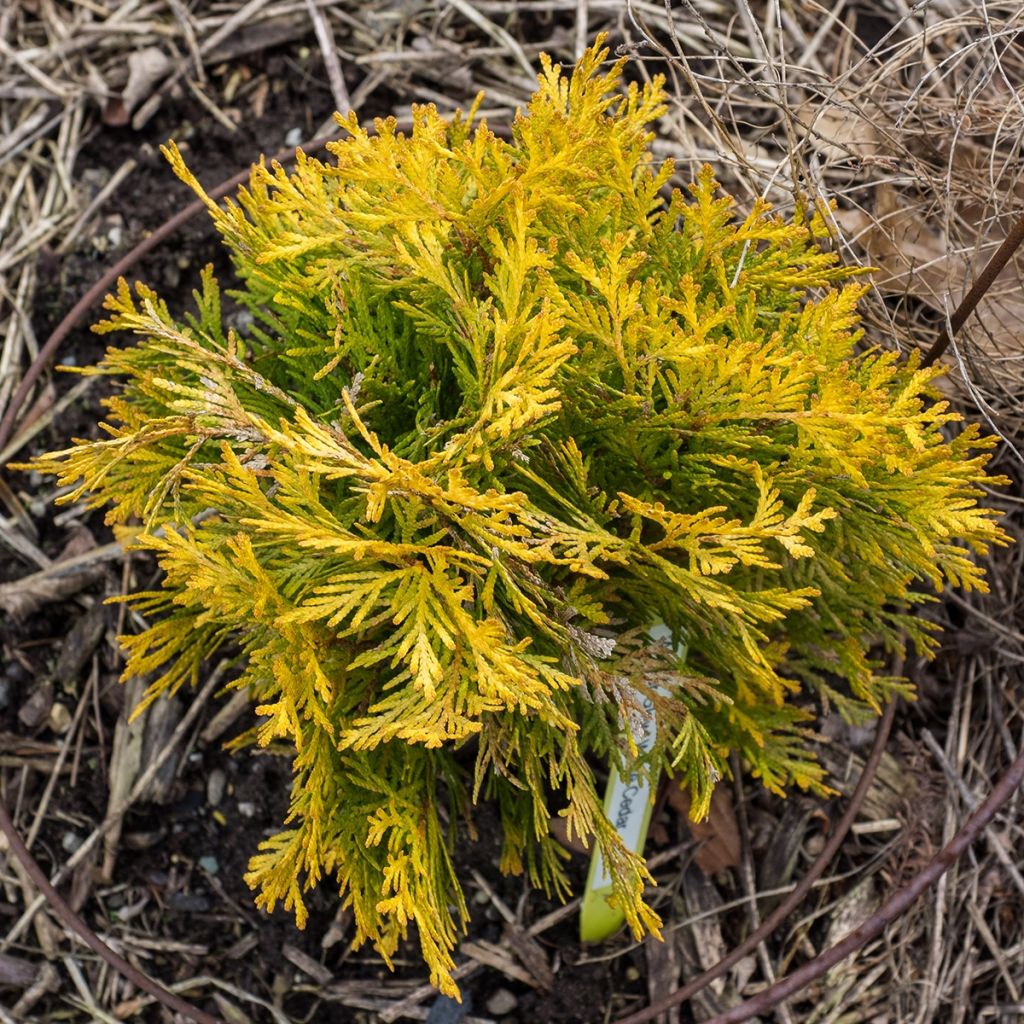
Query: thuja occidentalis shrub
502,407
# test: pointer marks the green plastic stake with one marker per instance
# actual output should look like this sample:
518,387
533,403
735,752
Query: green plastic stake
628,803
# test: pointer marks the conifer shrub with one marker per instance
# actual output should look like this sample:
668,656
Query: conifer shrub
501,407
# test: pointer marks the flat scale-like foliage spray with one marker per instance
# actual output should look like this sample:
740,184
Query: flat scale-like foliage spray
503,406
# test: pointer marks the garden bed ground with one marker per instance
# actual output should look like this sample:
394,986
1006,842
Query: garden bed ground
915,130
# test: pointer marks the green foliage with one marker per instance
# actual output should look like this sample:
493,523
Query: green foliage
502,407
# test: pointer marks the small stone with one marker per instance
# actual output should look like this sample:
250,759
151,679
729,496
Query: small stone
209,864
247,808
142,840
215,786
36,709
14,670
294,137
445,1010
814,844
60,718
188,903
502,1002
240,319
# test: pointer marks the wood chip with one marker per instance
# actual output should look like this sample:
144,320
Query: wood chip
16,972
307,964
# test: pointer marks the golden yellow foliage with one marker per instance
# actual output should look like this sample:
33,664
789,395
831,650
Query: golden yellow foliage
504,405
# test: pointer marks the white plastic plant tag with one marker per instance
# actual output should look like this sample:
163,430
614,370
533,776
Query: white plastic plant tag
628,803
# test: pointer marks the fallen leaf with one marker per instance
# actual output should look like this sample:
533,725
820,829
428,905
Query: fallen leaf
718,835
146,67
909,255
560,830
839,131
80,541
914,257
